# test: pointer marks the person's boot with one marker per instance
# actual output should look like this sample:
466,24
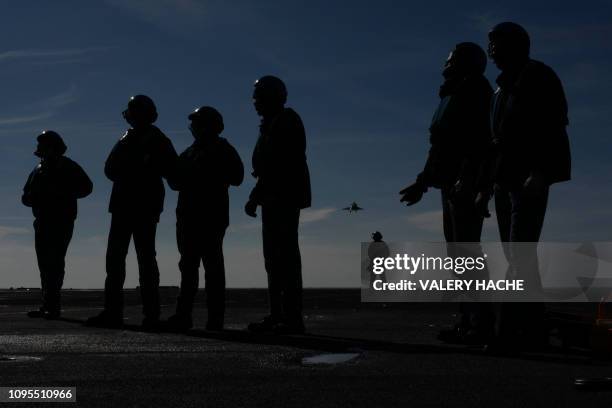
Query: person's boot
289,328
265,325
106,319
151,324
456,335
52,314
215,322
179,322
477,337
40,312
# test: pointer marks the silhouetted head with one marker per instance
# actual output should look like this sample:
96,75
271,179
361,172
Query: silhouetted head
50,145
141,111
467,58
206,122
508,45
269,95
377,236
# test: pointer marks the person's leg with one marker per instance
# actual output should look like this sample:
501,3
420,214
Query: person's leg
449,219
291,269
520,219
528,213
116,252
271,227
467,227
148,272
504,312
60,234
503,212
41,245
214,275
463,224
189,243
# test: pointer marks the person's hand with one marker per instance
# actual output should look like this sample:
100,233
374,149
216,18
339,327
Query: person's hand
251,208
535,184
412,194
482,203
460,194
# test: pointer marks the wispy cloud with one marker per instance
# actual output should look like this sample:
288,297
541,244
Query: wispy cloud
7,232
484,21
307,216
60,99
431,221
164,13
13,55
314,215
427,221
21,119
44,108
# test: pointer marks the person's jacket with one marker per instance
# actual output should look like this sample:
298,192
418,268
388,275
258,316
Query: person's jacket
528,121
279,162
205,171
136,166
459,133
53,187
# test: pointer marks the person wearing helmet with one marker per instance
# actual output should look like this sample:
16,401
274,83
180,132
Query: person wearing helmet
377,249
52,190
136,166
529,152
282,190
205,172
459,137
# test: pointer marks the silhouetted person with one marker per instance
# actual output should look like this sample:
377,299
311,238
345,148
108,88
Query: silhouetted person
377,249
204,173
282,190
52,191
459,136
136,166
530,151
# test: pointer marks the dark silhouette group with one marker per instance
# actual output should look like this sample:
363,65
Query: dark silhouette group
202,175
513,145
510,144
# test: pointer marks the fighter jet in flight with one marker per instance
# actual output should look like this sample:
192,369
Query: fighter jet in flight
353,208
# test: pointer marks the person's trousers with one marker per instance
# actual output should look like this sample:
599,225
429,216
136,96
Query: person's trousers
51,240
198,242
462,223
520,217
123,228
283,262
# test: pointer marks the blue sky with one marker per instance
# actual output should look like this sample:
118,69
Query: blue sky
363,75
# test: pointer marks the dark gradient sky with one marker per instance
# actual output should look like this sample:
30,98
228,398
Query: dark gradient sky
363,75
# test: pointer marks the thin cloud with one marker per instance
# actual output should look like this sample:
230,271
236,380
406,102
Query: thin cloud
431,221
306,217
46,107
13,55
428,221
8,232
17,120
484,21
164,13
61,99
314,215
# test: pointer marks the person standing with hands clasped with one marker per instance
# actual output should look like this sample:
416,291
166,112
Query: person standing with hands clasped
282,190
204,174
52,191
136,166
